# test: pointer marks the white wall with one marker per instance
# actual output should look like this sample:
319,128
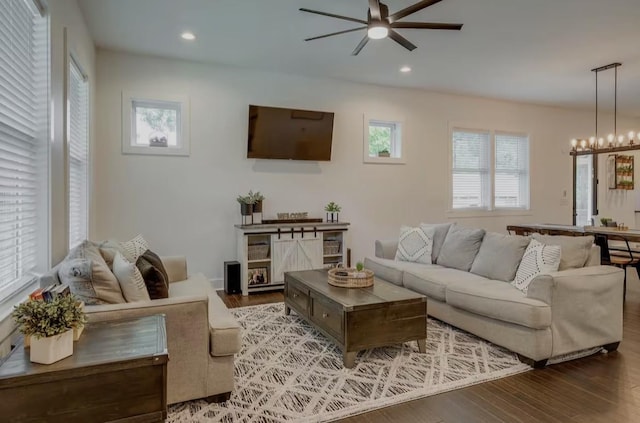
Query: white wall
65,14
187,205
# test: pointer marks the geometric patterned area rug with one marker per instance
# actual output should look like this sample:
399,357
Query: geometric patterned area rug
289,372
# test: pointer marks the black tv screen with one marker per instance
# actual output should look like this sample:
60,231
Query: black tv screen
290,134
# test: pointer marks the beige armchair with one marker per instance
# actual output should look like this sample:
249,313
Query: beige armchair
202,335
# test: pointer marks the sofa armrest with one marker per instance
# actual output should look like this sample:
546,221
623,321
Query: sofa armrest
386,248
586,306
176,267
187,326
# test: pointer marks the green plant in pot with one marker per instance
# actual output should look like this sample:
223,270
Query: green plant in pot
257,198
50,326
383,153
332,210
246,205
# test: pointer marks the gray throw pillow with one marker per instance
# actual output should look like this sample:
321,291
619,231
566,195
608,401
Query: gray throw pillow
575,250
460,247
500,256
439,234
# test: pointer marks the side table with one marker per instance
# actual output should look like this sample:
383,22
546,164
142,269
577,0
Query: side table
118,372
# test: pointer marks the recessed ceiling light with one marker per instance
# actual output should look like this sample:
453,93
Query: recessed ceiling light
405,69
188,36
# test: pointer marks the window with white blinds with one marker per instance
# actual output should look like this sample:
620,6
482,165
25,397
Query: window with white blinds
78,147
490,170
471,170
511,184
24,81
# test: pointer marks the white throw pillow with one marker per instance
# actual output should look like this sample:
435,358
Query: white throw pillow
131,281
415,244
134,248
537,259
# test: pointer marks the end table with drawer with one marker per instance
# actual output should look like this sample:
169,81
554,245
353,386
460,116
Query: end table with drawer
118,372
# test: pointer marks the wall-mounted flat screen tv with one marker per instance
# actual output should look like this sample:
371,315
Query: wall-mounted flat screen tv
289,134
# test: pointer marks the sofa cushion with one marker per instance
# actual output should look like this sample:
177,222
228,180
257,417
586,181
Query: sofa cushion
97,286
433,280
500,301
157,285
499,256
415,244
440,233
575,249
390,270
538,259
134,248
130,280
460,247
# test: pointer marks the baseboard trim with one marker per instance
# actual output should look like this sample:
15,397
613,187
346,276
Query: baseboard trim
217,284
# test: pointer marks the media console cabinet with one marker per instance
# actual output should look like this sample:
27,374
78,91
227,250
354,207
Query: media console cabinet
266,251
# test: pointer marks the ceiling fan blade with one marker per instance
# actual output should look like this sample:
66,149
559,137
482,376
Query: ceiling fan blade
374,10
331,15
426,25
361,45
401,40
412,9
335,33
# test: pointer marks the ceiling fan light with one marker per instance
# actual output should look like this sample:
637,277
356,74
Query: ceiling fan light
377,32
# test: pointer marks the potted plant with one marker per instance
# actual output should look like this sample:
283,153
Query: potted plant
246,205
332,210
257,198
50,326
604,221
384,153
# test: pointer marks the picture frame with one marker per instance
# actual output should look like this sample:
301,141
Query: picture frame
258,276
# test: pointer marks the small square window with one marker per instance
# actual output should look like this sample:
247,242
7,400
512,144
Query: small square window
382,141
155,126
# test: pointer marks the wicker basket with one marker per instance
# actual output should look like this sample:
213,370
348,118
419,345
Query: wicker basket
350,280
258,252
331,247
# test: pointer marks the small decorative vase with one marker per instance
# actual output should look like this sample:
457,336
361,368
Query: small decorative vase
246,210
332,216
50,349
257,212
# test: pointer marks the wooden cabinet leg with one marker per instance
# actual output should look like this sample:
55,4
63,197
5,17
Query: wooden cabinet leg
422,345
349,359
287,310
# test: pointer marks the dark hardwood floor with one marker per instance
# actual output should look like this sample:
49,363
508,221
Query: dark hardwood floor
602,388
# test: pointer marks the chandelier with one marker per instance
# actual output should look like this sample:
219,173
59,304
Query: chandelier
614,142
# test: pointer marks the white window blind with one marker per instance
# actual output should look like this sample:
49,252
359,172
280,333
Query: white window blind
471,169
511,171
78,133
23,132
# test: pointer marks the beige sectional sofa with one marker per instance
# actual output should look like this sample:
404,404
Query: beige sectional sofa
202,335
562,312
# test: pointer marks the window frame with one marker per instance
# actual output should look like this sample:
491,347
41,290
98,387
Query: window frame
18,288
180,103
72,60
398,145
491,209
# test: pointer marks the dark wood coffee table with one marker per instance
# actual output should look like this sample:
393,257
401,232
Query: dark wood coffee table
117,373
357,318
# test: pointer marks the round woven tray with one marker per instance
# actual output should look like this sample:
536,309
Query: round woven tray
350,280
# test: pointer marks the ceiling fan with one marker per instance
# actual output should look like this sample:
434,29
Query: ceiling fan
380,24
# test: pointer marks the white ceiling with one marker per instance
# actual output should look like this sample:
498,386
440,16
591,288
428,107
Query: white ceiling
527,50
